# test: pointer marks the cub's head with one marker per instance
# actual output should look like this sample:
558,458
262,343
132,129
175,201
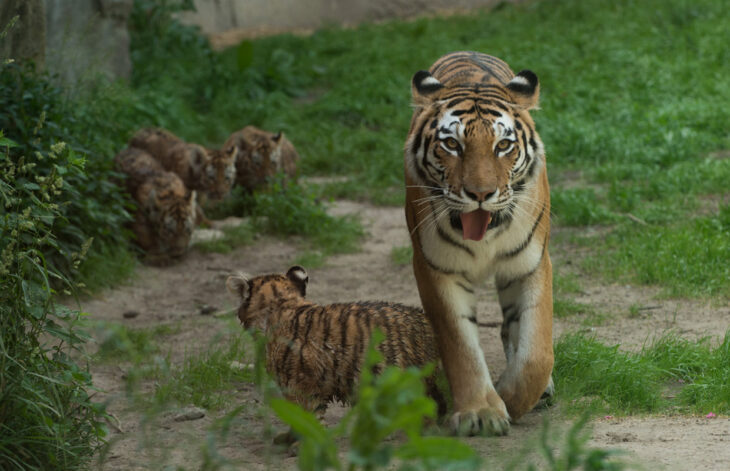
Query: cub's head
170,209
259,296
221,171
261,154
473,148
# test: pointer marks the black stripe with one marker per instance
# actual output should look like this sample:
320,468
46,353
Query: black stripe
464,287
310,319
526,242
326,321
461,112
521,278
447,238
472,319
417,141
510,314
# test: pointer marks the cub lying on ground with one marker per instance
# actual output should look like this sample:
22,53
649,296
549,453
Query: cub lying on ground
163,222
315,352
211,172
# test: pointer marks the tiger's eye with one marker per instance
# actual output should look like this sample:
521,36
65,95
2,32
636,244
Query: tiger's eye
503,145
452,143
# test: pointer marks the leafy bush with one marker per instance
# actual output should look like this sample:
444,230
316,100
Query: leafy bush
47,418
34,115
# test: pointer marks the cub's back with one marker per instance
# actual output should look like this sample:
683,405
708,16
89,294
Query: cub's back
138,165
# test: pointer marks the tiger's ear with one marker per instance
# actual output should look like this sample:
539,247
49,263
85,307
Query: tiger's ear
423,87
239,287
300,278
277,137
525,90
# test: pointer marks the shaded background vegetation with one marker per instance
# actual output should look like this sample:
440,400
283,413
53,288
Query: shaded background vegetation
634,117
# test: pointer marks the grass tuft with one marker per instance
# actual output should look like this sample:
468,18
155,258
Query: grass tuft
593,376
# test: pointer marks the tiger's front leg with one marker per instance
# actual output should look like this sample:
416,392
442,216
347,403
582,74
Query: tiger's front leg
449,303
527,308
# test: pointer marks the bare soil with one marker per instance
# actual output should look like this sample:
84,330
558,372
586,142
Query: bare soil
629,316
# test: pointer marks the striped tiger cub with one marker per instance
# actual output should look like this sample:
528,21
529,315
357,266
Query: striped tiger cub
315,352
478,208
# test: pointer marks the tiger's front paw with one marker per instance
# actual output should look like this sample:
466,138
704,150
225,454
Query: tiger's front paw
489,418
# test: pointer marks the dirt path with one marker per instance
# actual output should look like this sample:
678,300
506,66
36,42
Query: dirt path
175,295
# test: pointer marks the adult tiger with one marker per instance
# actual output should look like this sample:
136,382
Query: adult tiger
478,205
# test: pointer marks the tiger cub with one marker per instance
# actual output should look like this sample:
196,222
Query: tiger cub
315,352
209,171
261,155
163,221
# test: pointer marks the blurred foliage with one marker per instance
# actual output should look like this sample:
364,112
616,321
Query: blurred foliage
34,115
47,417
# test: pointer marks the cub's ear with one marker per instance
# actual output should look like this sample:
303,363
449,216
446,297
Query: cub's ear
525,90
300,278
424,86
199,156
277,137
239,287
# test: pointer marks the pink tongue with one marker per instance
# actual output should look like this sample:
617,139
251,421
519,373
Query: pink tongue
474,224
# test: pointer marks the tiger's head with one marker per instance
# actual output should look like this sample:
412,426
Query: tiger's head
170,209
259,296
220,171
261,154
473,147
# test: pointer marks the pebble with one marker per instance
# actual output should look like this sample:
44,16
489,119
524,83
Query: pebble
207,309
237,365
189,413
130,314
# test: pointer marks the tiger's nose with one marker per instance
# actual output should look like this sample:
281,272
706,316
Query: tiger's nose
480,195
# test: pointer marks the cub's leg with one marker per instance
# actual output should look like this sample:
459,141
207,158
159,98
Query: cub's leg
290,438
527,306
449,303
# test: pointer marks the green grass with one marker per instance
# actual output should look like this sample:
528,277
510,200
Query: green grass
402,255
120,343
593,376
205,379
294,210
687,258
233,236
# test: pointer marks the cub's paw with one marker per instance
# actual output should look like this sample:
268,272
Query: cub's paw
486,420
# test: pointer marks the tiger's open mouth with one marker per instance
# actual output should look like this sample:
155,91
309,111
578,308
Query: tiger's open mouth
473,225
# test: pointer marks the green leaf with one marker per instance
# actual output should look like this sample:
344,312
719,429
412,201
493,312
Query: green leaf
244,55
440,453
302,422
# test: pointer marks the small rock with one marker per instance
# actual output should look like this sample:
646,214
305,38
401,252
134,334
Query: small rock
189,413
237,365
207,309
130,314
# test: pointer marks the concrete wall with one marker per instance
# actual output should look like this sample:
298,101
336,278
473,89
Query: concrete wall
217,16
87,37
26,40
